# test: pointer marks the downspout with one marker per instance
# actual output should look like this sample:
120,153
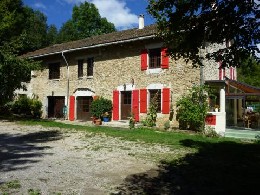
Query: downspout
68,82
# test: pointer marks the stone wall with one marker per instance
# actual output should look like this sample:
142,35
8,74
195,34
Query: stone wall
114,66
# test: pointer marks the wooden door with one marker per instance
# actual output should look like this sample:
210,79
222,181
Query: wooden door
83,107
126,102
55,106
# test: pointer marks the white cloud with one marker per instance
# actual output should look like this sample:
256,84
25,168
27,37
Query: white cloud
116,11
39,6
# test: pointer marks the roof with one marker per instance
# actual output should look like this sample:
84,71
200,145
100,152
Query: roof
96,41
243,86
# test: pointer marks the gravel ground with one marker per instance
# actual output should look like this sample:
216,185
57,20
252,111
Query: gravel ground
55,161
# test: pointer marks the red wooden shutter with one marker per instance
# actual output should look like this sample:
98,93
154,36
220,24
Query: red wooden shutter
231,72
143,100
220,71
135,104
166,101
72,108
115,105
165,58
144,59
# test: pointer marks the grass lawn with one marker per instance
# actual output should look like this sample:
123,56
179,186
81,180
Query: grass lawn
217,165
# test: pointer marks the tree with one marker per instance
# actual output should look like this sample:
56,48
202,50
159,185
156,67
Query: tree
186,25
52,35
249,72
34,34
67,32
86,22
13,71
11,20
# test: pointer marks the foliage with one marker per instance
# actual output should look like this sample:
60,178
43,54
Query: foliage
210,132
13,71
192,109
21,28
185,27
249,72
166,125
86,22
132,121
27,106
150,120
12,16
52,35
99,106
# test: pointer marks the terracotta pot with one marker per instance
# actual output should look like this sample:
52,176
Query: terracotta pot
98,122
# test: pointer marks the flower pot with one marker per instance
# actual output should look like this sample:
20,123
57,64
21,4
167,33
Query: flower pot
98,122
106,119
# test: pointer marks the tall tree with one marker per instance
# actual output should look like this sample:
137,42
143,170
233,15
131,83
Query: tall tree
34,34
86,22
249,72
13,70
186,25
52,35
11,20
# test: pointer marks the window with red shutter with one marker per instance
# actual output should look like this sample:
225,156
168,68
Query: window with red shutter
143,100
166,101
155,94
72,108
135,104
115,105
165,58
144,59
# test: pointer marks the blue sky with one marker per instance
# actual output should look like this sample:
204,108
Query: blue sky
123,13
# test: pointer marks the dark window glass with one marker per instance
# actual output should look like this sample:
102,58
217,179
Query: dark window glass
90,66
54,71
156,95
155,58
80,68
127,98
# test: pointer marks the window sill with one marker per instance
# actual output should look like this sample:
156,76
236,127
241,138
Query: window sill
154,71
89,77
54,79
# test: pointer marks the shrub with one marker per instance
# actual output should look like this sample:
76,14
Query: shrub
99,106
26,106
167,125
192,109
150,120
132,121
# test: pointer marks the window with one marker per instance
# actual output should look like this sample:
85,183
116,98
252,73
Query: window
154,58
90,66
155,95
54,71
127,97
80,68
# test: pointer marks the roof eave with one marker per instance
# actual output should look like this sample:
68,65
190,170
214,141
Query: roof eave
94,46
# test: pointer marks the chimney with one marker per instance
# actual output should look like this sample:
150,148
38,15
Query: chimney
141,21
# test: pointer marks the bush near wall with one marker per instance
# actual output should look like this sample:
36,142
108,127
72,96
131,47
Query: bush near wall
192,109
28,107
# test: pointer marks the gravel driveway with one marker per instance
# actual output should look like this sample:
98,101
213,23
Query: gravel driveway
55,161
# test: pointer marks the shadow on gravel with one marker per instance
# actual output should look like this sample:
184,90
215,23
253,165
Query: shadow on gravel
217,168
17,151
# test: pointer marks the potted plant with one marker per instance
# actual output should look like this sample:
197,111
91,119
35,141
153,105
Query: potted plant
106,116
100,106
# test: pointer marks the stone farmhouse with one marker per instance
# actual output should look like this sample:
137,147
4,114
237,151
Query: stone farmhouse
129,67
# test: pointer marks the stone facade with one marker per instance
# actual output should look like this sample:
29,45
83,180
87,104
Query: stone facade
114,66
